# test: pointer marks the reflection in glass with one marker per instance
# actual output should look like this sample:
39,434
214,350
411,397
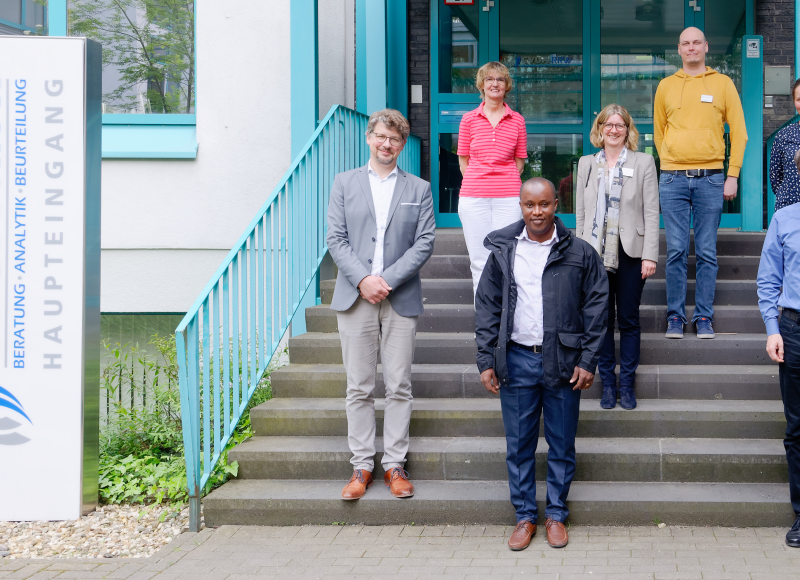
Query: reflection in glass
458,48
11,11
27,17
724,34
148,52
449,173
639,47
648,145
735,205
541,43
556,158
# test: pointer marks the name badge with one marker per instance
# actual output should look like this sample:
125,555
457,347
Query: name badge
627,171
707,98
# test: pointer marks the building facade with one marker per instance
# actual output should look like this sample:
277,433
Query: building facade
193,145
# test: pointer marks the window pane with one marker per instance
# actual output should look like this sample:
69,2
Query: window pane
648,145
639,47
35,15
33,20
542,44
735,205
449,173
11,12
458,48
724,28
148,52
552,156
556,158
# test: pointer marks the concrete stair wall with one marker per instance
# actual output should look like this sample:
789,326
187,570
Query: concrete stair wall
703,447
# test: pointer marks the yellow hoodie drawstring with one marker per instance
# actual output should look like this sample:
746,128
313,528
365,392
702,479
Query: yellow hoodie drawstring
703,78
683,86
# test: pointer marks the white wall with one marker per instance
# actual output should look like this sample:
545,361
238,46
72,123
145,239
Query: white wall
167,224
335,53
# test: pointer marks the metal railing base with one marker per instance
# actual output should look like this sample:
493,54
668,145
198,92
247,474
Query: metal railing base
194,514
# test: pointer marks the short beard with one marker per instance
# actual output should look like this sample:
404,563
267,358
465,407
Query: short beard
384,161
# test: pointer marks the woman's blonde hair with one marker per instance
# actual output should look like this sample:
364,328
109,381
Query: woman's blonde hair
596,134
498,68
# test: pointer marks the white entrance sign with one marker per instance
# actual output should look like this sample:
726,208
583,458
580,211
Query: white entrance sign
50,126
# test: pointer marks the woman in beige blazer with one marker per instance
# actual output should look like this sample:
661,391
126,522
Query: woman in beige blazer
622,225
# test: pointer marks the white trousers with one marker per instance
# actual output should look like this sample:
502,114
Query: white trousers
479,216
361,329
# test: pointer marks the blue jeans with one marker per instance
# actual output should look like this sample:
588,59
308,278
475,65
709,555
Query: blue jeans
624,297
522,403
687,200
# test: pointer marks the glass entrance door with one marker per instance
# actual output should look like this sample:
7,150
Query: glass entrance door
569,59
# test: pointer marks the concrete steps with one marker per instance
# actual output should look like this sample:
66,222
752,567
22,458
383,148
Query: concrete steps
482,418
268,502
484,459
459,348
730,267
709,382
440,318
455,291
450,241
703,447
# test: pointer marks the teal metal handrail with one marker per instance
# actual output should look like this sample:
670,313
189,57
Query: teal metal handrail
229,335
770,193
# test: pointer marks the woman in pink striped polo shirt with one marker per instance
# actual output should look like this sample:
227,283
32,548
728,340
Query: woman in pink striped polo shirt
492,149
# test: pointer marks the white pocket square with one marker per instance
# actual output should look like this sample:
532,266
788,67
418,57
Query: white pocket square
404,203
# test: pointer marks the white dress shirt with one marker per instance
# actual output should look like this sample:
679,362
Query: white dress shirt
529,263
382,192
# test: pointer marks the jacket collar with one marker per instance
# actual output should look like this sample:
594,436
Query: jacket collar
508,235
366,188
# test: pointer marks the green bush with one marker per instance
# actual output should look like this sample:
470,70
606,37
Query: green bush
141,445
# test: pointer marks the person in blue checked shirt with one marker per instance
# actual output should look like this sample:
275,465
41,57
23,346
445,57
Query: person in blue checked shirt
779,285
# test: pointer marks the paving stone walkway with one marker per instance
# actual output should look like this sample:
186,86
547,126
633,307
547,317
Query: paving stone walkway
442,552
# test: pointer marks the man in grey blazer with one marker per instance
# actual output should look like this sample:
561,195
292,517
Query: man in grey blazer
380,234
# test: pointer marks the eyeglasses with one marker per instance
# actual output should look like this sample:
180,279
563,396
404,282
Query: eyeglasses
492,80
394,141
618,127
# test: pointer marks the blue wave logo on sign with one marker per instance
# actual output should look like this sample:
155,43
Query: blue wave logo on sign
9,401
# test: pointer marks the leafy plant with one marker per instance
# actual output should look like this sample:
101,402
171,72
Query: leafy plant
141,445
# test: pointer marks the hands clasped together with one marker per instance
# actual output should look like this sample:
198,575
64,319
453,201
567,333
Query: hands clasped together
374,289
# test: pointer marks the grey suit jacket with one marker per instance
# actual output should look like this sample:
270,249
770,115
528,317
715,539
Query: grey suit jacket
407,244
638,211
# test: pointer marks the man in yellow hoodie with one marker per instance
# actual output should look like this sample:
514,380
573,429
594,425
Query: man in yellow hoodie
691,109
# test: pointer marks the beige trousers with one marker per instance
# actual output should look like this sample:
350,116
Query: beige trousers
362,328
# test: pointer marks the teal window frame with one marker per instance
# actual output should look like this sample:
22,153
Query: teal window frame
130,136
489,51
23,17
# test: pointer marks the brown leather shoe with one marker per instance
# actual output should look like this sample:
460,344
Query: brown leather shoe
397,481
557,535
522,535
358,484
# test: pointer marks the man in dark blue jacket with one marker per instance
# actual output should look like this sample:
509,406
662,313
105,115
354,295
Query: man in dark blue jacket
540,318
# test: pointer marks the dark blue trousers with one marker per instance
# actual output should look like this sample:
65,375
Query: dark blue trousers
624,297
789,373
522,403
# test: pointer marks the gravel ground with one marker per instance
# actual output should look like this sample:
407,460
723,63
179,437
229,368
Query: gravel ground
122,531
